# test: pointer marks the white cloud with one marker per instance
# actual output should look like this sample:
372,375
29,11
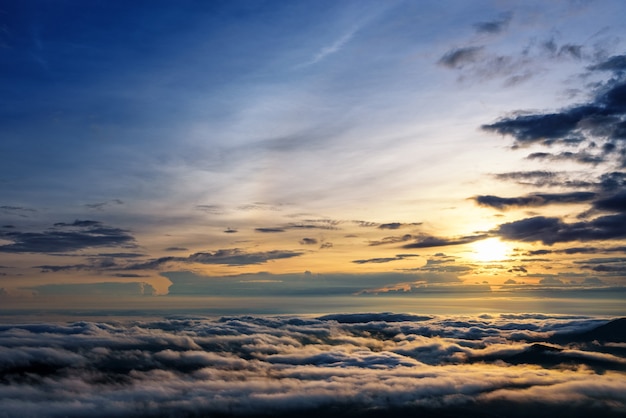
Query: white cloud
241,365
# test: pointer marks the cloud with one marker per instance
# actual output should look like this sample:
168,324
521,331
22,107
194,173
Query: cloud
615,203
332,48
231,257
534,200
176,249
550,230
64,237
596,129
620,268
269,230
308,241
392,240
385,259
102,205
262,206
579,157
397,225
212,209
486,63
17,210
337,364
600,120
392,225
616,63
431,241
460,57
540,178
443,265
536,178
494,26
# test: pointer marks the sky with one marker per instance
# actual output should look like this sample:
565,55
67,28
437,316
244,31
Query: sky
313,156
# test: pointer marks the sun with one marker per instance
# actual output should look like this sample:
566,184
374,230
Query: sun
491,249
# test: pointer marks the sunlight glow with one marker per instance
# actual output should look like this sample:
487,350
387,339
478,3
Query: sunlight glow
491,249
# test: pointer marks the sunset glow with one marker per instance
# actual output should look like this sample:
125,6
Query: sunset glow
491,249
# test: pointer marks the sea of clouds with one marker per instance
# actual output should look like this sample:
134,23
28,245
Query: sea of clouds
352,365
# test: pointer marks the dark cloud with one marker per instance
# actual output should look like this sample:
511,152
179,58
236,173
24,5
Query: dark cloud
535,178
213,209
397,225
615,203
553,50
494,26
392,240
357,365
17,210
130,275
459,57
326,245
615,63
430,241
594,250
482,64
518,269
121,255
79,223
366,224
238,257
534,200
443,265
606,268
385,259
599,120
545,128
327,225
392,225
552,179
553,230
102,205
269,230
176,249
615,180
312,224
596,128
571,51
230,231
580,250
308,241
66,237
579,157
57,268
603,260
231,257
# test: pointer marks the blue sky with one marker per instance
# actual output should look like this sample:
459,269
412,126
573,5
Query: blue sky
381,140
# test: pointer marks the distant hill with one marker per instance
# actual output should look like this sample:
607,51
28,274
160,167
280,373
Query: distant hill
613,331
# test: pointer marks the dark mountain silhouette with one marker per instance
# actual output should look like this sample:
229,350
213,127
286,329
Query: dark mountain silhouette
613,331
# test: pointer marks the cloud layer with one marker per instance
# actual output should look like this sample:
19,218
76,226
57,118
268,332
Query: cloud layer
361,364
